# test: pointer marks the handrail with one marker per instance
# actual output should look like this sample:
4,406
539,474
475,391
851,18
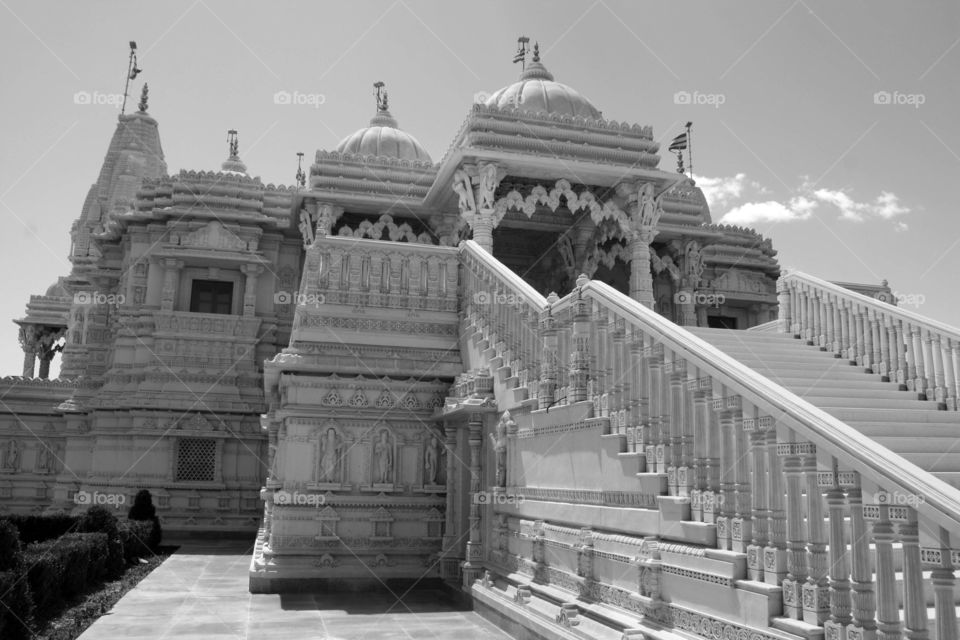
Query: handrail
886,309
504,273
877,463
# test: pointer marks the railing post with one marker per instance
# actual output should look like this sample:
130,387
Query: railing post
653,366
673,456
929,367
939,390
474,560
844,321
888,349
829,331
727,410
914,602
549,357
784,311
816,591
757,428
955,362
796,544
836,626
867,319
916,375
817,304
875,362
943,585
864,624
775,554
702,389
580,353
888,615
902,373
621,389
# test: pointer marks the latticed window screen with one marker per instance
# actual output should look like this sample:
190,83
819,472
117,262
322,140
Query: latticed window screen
196,460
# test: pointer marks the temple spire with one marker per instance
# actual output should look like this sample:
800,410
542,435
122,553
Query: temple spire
536,52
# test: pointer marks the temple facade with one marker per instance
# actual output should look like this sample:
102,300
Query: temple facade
534,370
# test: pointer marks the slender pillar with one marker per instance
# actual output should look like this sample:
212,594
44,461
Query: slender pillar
864,624
944,583
816,591
774,554
914,602
474,562
839,560
796,544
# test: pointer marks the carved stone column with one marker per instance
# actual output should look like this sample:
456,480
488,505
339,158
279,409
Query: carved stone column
548,361
28,342
171,273
836,626
475,186
888,616
451,534
796,543
473,566
644,211
914,603
784,321
251,271
943,584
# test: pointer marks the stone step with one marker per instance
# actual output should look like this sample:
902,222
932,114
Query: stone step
905,417
874,401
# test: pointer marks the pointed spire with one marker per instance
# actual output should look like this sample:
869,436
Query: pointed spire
142,107
383,118
536,52
535,70
381,94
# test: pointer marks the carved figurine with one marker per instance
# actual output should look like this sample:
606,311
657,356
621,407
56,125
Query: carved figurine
11,458
330,456
488,185
383,458
500,448
431,458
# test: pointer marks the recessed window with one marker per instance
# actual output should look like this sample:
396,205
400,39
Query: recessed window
196,460
211,296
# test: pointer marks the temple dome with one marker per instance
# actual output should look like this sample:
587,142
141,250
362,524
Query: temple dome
537,92
383,139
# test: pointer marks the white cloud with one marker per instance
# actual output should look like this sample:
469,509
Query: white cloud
751,213
739,200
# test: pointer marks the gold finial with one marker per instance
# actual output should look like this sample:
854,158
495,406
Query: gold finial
381,94
142,107
536,52
234,143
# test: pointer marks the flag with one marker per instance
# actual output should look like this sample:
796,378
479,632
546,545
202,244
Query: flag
679,143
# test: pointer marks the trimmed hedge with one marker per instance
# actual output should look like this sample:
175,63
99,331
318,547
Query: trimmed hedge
102,520
16,611
37,528
136,536
16,605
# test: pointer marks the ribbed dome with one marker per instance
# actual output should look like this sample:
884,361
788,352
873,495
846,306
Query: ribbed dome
536,91
383,139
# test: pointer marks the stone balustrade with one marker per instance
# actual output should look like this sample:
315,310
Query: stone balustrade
845,537
920,353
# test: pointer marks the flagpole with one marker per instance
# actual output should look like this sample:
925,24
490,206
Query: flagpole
690,149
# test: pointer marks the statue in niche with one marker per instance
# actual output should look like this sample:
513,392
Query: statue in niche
11,455
329,456
383,458
499,442
431,460
46,458
464,191
488,185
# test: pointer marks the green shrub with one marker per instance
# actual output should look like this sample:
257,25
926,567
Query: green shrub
16,606
102,520
82,557
9,546
142,508
135,536
45,573
37,528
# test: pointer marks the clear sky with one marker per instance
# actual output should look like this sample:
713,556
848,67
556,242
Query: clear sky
831,127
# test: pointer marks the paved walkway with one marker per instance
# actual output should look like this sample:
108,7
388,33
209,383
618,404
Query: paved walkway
200,593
